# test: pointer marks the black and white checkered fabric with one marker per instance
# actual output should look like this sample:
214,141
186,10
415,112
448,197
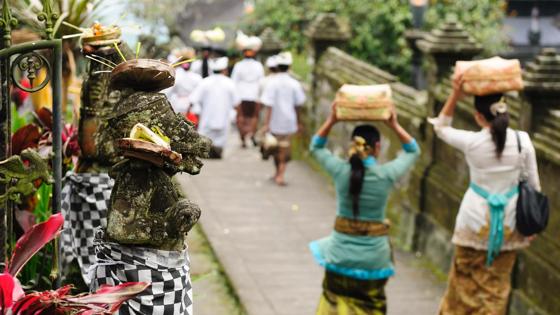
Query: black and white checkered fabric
170,292
85,200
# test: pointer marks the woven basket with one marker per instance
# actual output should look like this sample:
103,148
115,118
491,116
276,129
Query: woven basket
490,76
363,102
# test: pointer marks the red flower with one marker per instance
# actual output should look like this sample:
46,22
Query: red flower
105,301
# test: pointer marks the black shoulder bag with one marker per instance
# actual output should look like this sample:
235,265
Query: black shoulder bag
532,205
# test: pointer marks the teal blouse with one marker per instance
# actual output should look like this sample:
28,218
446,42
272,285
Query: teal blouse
360,257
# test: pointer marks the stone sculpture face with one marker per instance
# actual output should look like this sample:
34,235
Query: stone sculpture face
146,207
153,109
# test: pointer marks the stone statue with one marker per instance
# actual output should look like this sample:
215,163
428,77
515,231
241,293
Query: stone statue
146,207
87,188
96,94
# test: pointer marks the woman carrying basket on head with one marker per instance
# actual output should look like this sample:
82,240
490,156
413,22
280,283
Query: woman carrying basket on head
357,254
485,237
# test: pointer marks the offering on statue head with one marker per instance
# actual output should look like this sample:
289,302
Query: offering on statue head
148,75
99,35
363,102
489,76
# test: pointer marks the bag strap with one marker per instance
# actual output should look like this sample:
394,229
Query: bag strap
523,174
518,141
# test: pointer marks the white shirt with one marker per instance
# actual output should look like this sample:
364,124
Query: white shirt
493,175
247,75
178,94
283,94
196,67
216,95
264,83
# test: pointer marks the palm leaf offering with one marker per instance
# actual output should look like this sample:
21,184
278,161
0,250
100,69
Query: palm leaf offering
148,145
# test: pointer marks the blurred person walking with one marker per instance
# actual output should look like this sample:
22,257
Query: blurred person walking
283,97
185,82
271,64
485,238
216,97
247,75
357,256
206,44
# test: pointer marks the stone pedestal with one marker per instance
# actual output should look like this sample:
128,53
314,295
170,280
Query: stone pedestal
327,30
445,45
542,88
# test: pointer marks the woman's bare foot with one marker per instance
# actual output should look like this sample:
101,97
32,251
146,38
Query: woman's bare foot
280,181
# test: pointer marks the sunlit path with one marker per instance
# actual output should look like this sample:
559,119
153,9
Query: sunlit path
260,233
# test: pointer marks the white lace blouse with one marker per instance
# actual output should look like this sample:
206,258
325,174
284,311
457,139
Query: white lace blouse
494,175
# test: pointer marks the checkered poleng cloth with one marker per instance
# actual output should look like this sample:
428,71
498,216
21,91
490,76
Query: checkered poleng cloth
85,200
170,292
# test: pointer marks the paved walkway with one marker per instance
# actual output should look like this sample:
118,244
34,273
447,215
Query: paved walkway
260,234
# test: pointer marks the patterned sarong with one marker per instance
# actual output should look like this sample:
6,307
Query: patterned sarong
347,296
474,287
170,292
85,199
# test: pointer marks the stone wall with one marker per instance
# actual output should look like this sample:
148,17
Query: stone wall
425,203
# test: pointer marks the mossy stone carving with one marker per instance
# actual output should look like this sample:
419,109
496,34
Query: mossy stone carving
146,208
96,106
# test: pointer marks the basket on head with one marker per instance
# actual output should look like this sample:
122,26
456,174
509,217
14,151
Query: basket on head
363,102
490,76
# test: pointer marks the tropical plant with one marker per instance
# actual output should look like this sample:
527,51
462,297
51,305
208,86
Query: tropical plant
37,135
377,26
80,13
13,299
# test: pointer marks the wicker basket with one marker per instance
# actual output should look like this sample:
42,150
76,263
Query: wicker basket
490,76
363,102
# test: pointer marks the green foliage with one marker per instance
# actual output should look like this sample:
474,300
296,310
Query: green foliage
301,66
43,208
481,18
377,26
18,120
81,13
36,271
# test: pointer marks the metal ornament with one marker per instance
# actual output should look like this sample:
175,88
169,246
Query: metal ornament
31,63
7,22
49,17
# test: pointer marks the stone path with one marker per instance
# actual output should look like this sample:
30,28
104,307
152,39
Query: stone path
212,292
260,234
